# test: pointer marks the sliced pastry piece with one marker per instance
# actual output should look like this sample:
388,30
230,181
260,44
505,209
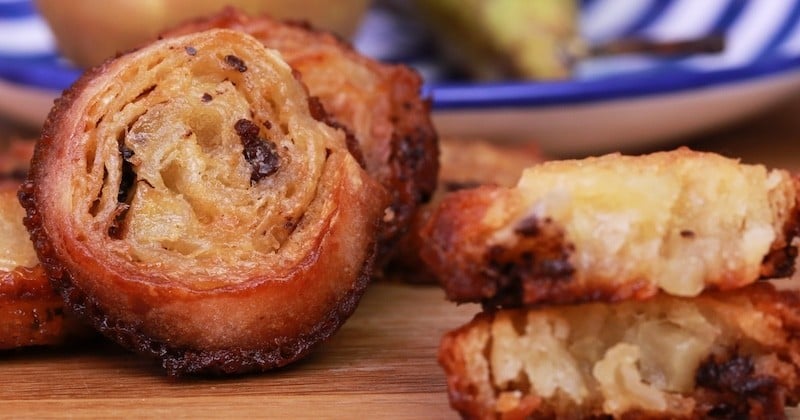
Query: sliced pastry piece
31,313
731,355
190,204
378,103
615,227
463,164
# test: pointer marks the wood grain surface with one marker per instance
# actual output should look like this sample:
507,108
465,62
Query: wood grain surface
382,364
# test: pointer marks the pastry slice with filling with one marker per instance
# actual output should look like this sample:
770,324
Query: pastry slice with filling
615,227
719,355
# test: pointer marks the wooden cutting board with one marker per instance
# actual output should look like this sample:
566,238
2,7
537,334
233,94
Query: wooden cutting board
381,364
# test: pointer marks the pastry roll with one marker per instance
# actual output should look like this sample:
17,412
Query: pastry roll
615,227
189,202
726,355
379,103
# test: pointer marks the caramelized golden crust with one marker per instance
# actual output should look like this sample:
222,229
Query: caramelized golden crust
379,102
31,313
719,355
188,204
464,164
615,227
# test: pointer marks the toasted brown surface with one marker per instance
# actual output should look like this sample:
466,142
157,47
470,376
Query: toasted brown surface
464,164
720,355
379,103
190,205
615,227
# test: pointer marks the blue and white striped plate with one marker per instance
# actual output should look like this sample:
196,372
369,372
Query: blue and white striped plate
611,103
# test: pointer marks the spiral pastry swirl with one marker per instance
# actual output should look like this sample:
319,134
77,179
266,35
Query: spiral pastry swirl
189,202
378,103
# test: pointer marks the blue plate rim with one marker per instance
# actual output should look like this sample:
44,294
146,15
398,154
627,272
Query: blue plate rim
520,94
458,96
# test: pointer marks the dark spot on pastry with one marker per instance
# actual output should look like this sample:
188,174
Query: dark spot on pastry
126,152
779,263
145,93
739,391
267,124
528,226
736,374
206,97
187,133
318,112
128,176
115,229
451,186
316,109
126,183
146,182
260,153
687,234
191,50
289,225
236,62
534,268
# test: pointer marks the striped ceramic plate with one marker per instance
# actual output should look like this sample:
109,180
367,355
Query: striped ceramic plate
610,103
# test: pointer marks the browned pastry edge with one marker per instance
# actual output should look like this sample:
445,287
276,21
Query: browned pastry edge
32,313
414,150
780,261
177,361
727,386
511,277
464,163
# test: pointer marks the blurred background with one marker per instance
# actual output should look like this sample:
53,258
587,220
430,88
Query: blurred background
574,77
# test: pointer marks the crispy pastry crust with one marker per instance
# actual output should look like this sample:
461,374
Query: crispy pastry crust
380,103
464,164
737,352
615,227
31,313
214,287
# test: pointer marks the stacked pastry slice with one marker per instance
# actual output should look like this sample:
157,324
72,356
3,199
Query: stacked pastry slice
623,286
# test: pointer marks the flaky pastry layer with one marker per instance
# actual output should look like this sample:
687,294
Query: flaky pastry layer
380,103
